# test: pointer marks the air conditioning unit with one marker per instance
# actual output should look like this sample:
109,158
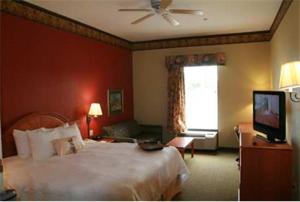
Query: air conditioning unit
204,140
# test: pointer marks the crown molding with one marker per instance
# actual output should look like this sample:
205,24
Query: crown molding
203,41
40,15
284,7
249,37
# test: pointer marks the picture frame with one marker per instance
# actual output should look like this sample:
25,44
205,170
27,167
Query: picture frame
115,101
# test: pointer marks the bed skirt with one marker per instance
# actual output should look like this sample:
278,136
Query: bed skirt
172,190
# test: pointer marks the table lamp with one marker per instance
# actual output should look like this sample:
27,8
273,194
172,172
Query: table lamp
94,112
290,78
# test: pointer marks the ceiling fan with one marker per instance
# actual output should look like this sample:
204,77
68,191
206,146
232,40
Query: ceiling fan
160,7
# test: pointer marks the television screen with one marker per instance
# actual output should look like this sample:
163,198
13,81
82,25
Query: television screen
269,114
267,110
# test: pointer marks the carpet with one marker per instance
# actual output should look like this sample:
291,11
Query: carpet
214,177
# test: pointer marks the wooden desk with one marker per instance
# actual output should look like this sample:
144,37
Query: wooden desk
181,143
265,168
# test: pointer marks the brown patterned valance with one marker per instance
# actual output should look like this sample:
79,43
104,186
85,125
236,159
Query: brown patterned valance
195,60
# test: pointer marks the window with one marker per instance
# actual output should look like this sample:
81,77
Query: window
201,97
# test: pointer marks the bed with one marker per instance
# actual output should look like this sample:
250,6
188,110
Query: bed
100,171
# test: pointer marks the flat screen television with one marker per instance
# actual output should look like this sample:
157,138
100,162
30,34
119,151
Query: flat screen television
269,114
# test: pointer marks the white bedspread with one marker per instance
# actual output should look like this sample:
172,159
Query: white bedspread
100,171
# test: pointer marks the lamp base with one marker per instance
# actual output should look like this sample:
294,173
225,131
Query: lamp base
88,121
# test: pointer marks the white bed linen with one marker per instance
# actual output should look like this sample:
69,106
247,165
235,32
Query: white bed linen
100,171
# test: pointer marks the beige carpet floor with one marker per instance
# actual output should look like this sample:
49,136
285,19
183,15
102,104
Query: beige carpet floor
214,176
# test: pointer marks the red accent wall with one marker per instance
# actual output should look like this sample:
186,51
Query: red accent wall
48,70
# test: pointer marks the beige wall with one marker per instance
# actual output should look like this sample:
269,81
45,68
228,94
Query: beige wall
247,68
285,47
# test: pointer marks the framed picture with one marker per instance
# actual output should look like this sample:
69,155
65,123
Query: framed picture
115,101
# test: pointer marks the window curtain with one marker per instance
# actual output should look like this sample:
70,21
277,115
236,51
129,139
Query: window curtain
176,100
176,93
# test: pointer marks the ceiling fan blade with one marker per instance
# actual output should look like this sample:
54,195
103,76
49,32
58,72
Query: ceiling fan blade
165,3
142,19
186,11
142,9
170,19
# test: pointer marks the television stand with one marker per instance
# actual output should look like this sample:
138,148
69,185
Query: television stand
270,140
265,168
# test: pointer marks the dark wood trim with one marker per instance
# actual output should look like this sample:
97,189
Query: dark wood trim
193,37
249,37
203,41
280,15
52,19
67,18
40,15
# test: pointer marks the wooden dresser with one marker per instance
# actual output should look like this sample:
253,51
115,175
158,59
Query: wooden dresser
265,169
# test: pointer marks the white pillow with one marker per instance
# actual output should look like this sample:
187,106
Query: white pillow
71,131
66,145
22,142
41,144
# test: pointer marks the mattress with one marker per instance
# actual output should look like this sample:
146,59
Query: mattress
100,171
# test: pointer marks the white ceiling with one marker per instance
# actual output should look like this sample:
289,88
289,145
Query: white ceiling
224,17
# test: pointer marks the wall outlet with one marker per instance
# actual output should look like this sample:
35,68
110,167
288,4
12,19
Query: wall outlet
91,132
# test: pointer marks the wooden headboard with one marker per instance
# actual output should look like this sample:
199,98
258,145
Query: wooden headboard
29,122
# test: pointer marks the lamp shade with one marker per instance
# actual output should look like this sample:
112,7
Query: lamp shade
95,110
290,75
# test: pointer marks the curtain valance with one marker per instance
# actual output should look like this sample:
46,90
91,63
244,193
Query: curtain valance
195,60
